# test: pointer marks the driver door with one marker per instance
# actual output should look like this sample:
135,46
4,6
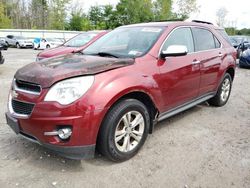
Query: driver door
179,75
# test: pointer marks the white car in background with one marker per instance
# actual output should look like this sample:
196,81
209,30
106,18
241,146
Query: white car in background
46,43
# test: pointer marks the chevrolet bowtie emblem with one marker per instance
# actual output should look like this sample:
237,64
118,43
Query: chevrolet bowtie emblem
14,94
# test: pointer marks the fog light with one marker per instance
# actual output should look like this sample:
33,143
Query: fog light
64,133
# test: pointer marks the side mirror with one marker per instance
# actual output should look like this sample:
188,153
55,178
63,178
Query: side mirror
174,50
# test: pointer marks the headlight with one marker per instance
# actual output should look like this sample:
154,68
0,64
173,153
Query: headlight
68,91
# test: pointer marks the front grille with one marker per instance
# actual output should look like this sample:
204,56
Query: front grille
28,87
22,108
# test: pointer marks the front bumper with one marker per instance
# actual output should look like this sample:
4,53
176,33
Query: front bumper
83,119
26,45
71,152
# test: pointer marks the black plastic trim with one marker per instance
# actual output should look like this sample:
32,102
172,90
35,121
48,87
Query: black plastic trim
186,106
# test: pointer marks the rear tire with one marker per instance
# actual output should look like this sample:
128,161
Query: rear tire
48,46
223,93
124,130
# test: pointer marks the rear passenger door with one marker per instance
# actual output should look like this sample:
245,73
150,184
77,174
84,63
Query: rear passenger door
209,55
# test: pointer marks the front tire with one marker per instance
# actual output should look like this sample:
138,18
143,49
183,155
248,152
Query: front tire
223,93
18,45
124,130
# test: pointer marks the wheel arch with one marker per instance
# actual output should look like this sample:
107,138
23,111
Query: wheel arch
231,72
141,96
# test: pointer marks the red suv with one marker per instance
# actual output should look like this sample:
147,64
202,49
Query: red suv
74,45
111,96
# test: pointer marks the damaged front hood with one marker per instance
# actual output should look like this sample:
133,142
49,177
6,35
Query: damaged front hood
49,71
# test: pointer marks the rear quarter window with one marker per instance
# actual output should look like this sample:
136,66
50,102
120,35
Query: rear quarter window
217,43
223,33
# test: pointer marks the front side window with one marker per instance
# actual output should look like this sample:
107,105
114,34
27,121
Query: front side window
126,42
180,36
204,39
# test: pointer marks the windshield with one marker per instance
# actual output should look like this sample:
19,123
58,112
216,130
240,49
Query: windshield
80,40
53,40
20,37
125,42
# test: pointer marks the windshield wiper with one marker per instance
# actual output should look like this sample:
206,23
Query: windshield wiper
79,52
103,54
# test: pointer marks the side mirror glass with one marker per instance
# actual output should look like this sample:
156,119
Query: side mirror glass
174,50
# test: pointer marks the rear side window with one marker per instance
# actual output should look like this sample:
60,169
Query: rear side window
180,36
204,39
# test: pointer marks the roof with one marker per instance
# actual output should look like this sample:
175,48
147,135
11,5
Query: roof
176,23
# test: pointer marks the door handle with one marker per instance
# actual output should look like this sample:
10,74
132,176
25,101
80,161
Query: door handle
220,54
195,62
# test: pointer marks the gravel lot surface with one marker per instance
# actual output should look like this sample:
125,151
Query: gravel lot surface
202,147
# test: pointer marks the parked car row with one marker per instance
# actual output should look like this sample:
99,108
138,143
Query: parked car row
45,43
3,44
110,88
240,43
18,41
74,45
24,42
2,47
244,61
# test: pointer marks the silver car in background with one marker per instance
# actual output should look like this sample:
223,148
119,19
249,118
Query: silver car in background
18,41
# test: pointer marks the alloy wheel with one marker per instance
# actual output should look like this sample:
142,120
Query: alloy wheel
129,131
225,89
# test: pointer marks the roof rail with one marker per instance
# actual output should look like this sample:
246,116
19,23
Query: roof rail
171,20
204,22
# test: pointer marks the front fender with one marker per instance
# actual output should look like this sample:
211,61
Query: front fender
108,89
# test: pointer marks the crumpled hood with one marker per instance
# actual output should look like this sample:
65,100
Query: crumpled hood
61,50
47,72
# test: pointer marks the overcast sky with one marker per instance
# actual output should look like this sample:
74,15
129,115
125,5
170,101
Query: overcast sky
238,11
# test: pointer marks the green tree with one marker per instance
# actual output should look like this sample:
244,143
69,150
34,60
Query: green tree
39,14
162,9
110,17
5,21
57,14
230,30
96,17
136,11
76,21
86,24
